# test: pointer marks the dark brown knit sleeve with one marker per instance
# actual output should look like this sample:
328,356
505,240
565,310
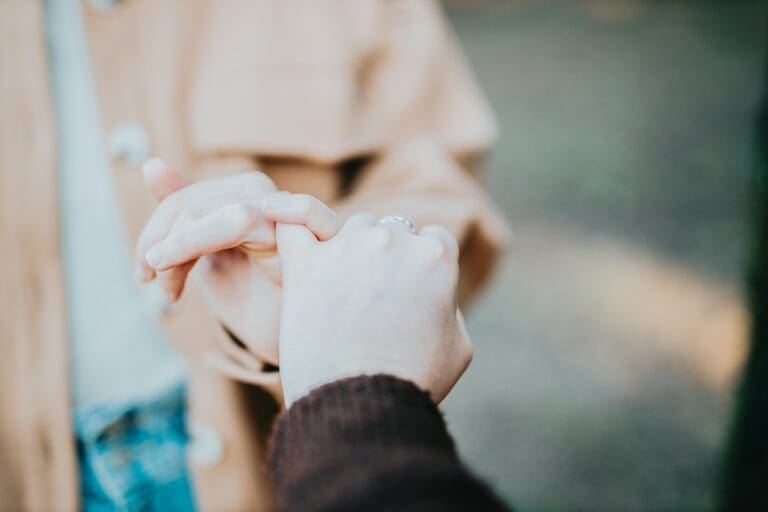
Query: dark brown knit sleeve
370,443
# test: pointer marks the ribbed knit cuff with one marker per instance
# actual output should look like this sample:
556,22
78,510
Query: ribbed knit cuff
359,414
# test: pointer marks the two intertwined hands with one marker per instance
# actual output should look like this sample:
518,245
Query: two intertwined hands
322,299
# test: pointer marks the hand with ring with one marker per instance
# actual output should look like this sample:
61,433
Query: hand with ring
379,297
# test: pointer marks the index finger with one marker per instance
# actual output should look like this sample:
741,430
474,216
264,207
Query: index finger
304,210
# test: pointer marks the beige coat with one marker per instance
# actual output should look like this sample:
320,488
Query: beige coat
367,104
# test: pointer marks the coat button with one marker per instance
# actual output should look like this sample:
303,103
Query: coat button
129,143
104,5
205,446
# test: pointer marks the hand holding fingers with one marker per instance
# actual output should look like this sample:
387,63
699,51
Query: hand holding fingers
193,226
180,208
377,298
228,227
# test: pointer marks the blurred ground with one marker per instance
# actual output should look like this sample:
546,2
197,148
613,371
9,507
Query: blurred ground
606,349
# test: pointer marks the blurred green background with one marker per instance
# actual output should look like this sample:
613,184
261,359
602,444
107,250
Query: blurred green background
608,346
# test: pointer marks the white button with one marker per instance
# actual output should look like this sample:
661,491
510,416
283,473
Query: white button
205,446
104,5
129,143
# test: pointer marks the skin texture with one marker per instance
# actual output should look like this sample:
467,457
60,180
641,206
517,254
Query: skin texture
224,230
373,299
368,298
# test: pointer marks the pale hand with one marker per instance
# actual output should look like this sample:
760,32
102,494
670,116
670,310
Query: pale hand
225,229
373,299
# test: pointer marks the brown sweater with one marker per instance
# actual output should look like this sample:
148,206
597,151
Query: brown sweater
370,443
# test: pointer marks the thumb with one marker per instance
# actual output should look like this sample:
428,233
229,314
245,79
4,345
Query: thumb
161,178
293,243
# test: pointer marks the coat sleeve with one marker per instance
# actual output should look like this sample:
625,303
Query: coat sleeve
386,448
400,93
422,180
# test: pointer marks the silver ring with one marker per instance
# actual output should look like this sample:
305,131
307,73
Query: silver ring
400,218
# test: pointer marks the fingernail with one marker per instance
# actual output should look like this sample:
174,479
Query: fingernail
154,256
142,273
153,165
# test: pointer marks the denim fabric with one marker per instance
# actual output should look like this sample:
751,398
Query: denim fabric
132,457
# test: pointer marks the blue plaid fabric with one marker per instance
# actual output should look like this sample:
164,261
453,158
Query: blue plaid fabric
132,458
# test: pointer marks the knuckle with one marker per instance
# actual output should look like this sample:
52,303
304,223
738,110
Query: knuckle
244,217
441,235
